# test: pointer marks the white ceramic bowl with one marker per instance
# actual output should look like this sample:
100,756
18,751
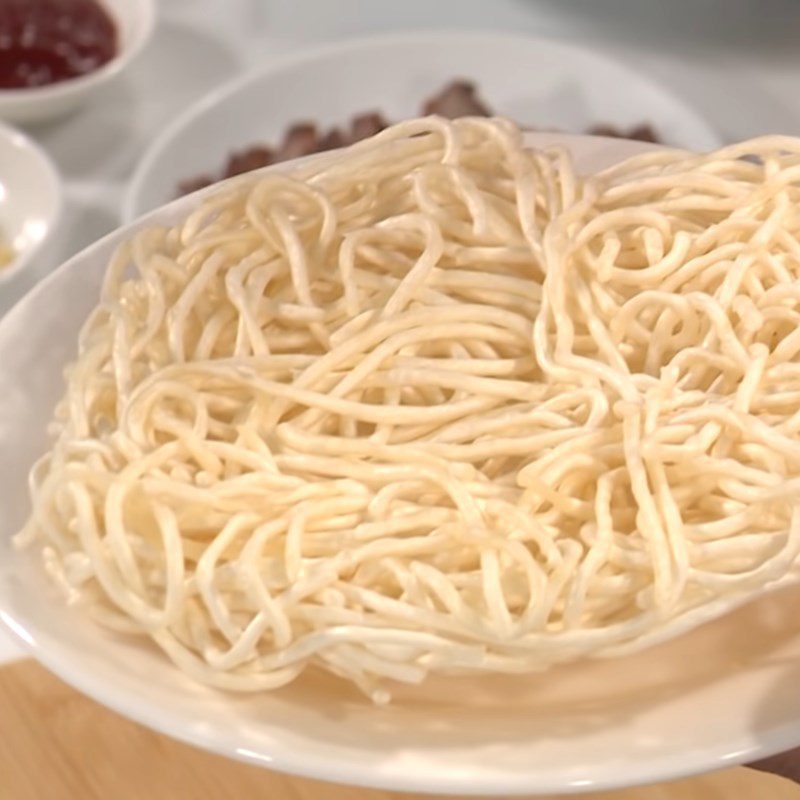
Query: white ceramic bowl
722,694
30,199
544,83
134,19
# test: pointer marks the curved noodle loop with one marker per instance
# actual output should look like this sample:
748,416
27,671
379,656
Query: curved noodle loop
436,404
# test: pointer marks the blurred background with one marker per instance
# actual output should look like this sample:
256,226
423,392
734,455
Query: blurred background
736,62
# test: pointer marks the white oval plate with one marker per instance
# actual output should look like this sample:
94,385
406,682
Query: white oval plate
541,83
723,694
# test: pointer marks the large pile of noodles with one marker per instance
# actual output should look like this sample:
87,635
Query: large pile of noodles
436,404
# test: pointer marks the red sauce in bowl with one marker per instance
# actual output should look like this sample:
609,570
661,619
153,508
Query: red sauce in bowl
48,41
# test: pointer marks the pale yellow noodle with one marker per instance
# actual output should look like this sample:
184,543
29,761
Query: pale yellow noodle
436,404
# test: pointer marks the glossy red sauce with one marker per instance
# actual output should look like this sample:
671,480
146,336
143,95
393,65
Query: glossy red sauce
47,41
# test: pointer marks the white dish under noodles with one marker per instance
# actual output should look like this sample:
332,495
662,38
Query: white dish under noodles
472,599
543,83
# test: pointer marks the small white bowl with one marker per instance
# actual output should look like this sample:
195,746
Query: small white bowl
134,19
30,198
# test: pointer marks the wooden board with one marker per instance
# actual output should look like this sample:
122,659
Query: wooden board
56,744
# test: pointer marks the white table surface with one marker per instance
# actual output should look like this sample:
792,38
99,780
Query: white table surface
737,61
